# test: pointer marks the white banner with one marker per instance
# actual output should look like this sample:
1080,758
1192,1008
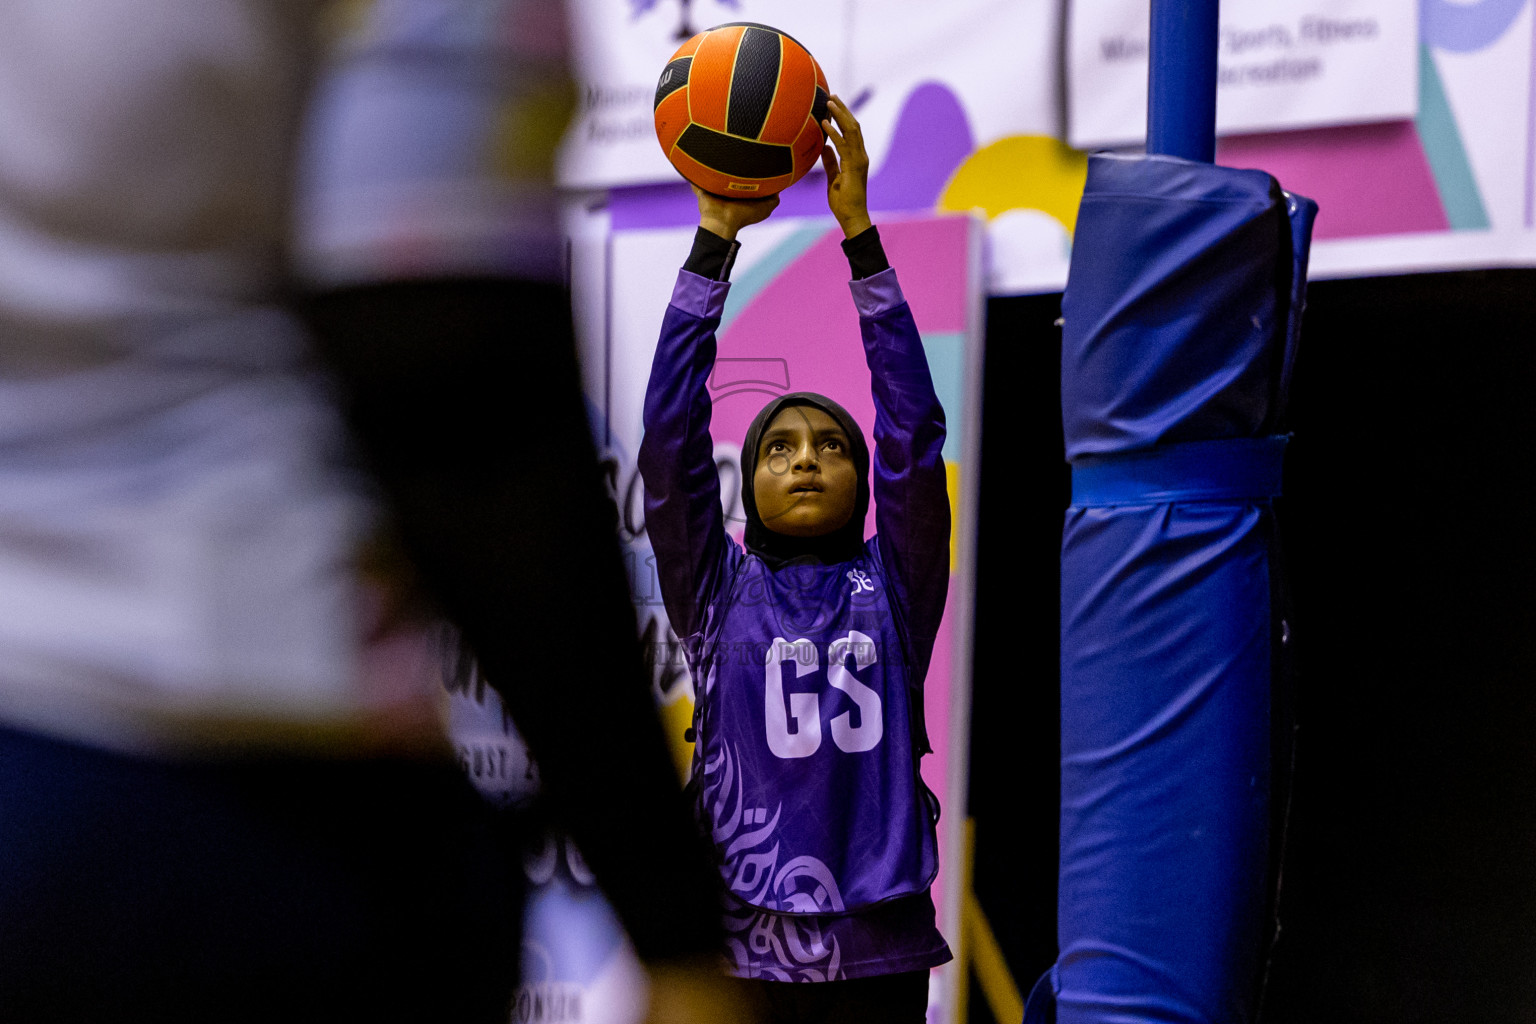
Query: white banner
577,965
621,47
992,56
1421,154
1281,64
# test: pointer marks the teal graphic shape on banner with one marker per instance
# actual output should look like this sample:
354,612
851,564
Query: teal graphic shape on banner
1447,156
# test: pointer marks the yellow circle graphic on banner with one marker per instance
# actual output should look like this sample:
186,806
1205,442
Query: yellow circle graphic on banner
1029,172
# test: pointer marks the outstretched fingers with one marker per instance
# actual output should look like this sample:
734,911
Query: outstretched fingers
829,162
843,132
847,167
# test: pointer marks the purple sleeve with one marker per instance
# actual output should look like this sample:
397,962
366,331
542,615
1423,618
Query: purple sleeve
910,488
677,461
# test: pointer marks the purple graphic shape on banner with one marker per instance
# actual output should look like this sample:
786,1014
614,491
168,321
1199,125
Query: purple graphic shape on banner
638,207
1466,27
931,139
1398,196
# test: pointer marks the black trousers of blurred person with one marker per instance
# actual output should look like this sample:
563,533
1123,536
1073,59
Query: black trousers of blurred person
273,890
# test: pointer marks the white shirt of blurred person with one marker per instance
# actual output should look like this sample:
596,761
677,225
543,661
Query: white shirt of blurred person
223,783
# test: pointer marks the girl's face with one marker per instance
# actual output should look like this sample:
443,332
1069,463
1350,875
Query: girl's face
805,484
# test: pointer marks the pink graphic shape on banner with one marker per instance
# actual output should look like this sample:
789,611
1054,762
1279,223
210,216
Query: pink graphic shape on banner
1371,179
801,332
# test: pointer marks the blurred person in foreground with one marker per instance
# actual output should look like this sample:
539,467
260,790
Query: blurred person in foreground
221,797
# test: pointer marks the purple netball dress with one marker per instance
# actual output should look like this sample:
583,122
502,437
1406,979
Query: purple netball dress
808,674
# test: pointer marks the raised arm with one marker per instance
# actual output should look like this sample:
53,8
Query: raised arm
677,463
910,488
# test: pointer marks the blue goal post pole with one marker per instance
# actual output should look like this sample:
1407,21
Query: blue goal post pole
1181,80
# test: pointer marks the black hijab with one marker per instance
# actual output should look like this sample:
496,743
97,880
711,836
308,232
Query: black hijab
777,549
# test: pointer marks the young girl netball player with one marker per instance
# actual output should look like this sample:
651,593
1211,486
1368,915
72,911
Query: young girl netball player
808,648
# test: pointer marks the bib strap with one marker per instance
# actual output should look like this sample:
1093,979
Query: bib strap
1237,469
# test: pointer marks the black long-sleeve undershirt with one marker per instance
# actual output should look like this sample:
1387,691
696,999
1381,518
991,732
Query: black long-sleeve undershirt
712,256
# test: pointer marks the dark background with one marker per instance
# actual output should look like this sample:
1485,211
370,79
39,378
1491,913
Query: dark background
1410,879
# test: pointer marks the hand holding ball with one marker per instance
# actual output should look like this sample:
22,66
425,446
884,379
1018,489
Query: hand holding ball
739,110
